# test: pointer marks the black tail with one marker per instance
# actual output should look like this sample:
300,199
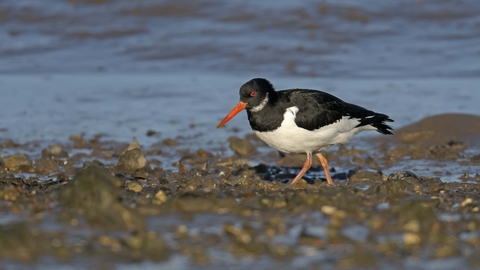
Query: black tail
378,121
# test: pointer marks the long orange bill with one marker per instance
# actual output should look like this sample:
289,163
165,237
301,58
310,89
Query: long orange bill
240,106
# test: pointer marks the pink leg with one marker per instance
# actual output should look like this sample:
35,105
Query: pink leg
306,166
324,163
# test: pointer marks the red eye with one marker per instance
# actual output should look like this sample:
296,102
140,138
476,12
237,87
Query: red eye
252,94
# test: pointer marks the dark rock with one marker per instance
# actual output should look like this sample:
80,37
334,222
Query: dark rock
261,168
449,151
204,154
151,132
19,162
364,176
402,175
340,176
94,162
186,160
94,193
475,159
132,159
62,177
45,166
54,151
10,179
242,147
170,142
401,182
9,192
244,172
8,144
19,243
78,141
357,159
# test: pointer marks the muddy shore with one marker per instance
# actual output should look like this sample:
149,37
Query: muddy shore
102,203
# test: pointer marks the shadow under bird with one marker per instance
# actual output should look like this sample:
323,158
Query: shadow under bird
303,120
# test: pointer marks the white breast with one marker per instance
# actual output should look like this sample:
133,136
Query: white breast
289,138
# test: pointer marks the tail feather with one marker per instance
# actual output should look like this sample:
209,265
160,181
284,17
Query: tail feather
377,121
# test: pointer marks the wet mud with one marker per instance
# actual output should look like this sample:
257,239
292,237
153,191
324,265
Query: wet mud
91,202
77,190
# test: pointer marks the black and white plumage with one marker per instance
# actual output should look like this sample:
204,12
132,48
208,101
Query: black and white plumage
303,121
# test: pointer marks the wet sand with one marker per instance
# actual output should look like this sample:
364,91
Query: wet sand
92,203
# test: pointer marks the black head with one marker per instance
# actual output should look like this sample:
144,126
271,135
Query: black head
254,96
254,92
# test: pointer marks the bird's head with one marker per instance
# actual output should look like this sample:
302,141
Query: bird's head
254,96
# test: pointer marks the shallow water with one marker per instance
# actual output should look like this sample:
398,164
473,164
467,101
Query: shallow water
119,68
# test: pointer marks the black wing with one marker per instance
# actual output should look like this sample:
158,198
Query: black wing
318,109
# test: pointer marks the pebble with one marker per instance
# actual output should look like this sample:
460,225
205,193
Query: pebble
242,147
328,209
132,159
54,151
45,166
170,142
364,176
411,238
160,197
134,186
19,162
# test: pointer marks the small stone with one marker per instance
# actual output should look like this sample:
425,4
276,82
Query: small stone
45,166
467,201
401,175
151,132
54,151
475,159
160,197
204,154
19,162
182,232
412,226
242,147
134,186
411,238
135,241
78,141
239,234
132,159
9,193
8,144
170,142
358,160
364,176
329,210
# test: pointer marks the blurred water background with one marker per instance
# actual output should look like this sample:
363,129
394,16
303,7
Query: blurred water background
120,68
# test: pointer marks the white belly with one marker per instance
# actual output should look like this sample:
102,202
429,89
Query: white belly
289,138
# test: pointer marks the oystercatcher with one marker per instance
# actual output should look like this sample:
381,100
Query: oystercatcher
303,120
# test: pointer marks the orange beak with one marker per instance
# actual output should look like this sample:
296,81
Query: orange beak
240,106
